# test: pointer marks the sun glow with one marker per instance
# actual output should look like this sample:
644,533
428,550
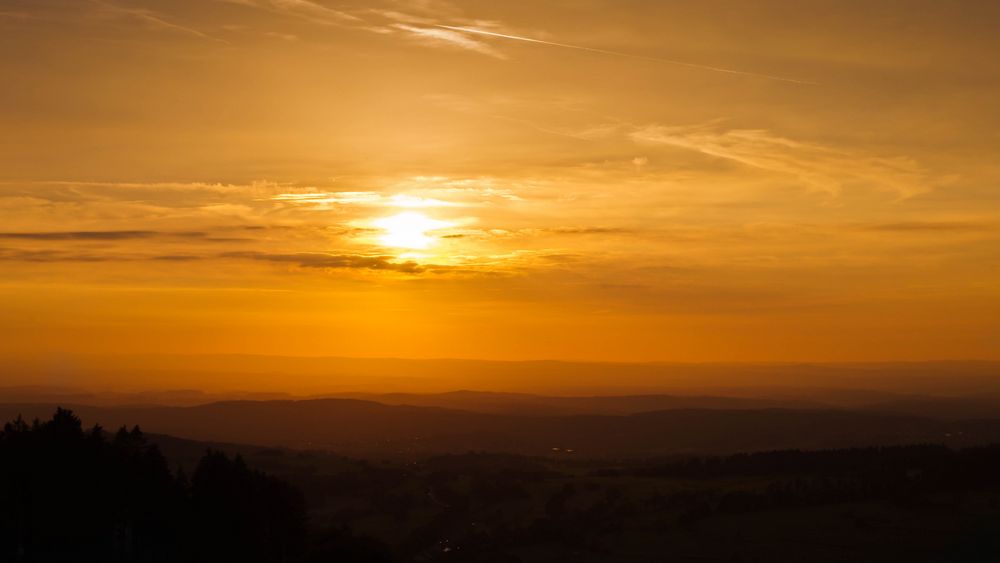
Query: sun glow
409,230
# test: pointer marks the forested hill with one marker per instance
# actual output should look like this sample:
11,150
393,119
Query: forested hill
367,428
70,494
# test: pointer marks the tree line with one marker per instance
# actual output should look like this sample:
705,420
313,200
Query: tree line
70,494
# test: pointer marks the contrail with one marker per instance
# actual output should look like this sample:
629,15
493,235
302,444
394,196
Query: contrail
629,55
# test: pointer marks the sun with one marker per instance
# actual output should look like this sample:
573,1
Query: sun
409,230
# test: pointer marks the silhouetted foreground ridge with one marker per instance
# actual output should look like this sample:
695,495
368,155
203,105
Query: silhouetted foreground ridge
70,495
74,495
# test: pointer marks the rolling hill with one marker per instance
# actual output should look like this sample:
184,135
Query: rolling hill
359,427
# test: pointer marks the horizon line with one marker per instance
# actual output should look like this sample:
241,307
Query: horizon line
50,356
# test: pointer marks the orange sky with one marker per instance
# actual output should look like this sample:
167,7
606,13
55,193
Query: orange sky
606,180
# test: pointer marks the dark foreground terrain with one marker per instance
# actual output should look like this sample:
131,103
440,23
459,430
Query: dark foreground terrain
75,494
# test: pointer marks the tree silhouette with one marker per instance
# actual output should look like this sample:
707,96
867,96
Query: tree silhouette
244,515
71,495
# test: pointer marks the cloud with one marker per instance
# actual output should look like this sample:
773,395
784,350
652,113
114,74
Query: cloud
324,199
50,256
177,258
588,230
401,17
156,20
532,112
283,36
424,28
441,36
621,54
303,9
55,256
332,261
165,207
101,235
931,227
821,168
42,188
314,11
317,260
538,231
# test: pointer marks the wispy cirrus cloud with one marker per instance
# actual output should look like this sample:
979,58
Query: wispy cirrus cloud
154,19
303,9
424,29
323,199
101,235
323,260
309,260
50,256
934,227
448,37
484,32
439,24
821,168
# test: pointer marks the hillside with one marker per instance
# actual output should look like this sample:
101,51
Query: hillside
370,428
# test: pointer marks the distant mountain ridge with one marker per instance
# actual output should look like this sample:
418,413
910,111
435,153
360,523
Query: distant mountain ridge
358,427
314,376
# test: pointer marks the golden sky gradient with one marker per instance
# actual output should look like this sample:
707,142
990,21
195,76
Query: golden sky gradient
601,180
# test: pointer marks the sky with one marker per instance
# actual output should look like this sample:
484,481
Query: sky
592,180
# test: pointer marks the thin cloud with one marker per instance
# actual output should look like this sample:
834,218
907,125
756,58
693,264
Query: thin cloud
482,32
283,36
322,199
379,21
537,232
51,256
331,261
819,167
589,230
314,10
157,20
302,9
443,36
260,186
400,17
57,256
312,260
100,235
931,227
177,258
